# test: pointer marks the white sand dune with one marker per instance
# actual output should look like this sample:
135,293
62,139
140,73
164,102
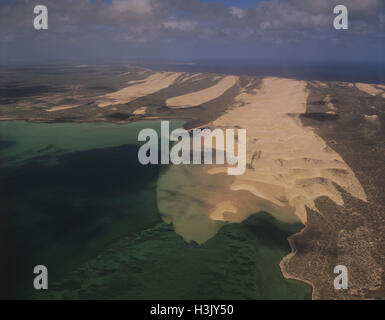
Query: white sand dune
295,165
140,111
369,89
59,108
154,83
289,167
200,97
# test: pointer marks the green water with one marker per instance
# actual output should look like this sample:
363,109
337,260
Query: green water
20,142
74,198
67,191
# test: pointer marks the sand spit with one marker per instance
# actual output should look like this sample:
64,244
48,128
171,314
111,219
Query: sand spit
59,108
288,167
200,97
369,89
154,83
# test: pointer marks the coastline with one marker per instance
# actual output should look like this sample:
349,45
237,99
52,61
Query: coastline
286,260
233,99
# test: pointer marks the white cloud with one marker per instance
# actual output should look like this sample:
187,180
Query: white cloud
238,12
141,7
179,25
157,21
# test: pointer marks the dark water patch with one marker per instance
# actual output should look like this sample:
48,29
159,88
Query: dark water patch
346,71
48,155
91,217
60,214
270,231
47,148
240,262
5,144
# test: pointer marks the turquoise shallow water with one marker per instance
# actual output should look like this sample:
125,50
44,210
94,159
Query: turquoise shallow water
67,191
20,141
73,194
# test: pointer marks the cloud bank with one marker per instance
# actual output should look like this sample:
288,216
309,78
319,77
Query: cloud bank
178,29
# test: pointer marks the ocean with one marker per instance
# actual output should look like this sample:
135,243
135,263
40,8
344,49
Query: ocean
75,199
346,71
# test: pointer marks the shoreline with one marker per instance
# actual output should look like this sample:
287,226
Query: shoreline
286,260
282,144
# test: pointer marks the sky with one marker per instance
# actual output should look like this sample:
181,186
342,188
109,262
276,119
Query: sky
187,30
